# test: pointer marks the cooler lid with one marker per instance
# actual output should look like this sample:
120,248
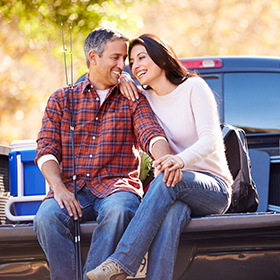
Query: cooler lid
21,145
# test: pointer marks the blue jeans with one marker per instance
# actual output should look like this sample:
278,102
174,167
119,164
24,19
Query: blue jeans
54,230
161,218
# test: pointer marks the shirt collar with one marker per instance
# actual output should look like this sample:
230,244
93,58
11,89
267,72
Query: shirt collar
87,85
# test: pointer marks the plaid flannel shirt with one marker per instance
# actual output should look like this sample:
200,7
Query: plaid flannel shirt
104,138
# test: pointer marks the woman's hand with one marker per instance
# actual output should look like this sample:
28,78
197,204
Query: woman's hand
128,88
171,166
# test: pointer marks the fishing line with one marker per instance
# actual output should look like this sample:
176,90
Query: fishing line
78,258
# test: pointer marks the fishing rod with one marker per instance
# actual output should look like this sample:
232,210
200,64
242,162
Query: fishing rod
78,259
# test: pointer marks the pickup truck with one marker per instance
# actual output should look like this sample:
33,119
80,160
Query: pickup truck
216,247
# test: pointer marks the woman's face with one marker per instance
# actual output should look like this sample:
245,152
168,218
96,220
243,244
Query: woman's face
143,67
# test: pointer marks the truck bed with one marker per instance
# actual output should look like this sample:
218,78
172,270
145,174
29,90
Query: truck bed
213,247
251,222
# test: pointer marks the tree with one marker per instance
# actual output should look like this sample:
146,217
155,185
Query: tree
31,57
214,27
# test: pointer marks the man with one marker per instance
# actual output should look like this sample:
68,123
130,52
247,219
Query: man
107,127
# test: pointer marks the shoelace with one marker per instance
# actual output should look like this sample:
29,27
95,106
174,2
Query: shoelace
109,267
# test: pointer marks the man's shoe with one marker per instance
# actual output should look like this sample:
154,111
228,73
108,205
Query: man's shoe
108,270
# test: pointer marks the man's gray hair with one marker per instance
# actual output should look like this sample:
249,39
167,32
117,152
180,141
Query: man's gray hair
97,39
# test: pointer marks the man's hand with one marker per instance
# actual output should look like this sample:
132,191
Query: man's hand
171,166
128,88
62,195
67,199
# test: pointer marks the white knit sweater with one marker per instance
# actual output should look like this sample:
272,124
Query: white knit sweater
190,120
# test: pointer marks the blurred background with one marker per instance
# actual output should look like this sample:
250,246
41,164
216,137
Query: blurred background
31,56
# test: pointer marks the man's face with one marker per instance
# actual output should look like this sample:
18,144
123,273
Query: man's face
108,68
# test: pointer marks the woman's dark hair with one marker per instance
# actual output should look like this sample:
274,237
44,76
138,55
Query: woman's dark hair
163,56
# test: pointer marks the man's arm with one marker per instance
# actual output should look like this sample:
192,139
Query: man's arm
164,160
62,195
146,127
160,148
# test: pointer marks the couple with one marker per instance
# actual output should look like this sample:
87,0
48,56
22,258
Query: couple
192,176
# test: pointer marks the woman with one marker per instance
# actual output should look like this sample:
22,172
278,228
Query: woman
186,109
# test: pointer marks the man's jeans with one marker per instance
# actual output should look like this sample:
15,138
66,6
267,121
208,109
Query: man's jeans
54,229
161,218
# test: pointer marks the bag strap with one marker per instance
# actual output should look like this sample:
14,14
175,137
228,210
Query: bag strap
226,129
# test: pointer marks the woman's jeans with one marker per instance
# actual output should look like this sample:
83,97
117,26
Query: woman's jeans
161,218
54,229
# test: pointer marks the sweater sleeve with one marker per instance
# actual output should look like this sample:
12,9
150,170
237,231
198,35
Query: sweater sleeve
205,114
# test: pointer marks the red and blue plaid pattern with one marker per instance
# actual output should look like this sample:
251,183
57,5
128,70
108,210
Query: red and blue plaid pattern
104,138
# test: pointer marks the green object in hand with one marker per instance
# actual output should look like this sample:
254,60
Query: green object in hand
145,166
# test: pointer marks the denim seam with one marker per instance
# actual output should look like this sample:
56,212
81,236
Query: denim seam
178,233
67,225
73,255
86,267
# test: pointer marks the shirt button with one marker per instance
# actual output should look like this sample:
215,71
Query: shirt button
89,90
97,98
93,137
88,174
90,156
96,118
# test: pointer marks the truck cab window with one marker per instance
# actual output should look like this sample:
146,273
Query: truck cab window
251,101
214,83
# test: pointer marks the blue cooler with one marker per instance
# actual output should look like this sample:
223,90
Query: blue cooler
27,184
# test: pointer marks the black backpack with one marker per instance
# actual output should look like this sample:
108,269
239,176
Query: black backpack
244,192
